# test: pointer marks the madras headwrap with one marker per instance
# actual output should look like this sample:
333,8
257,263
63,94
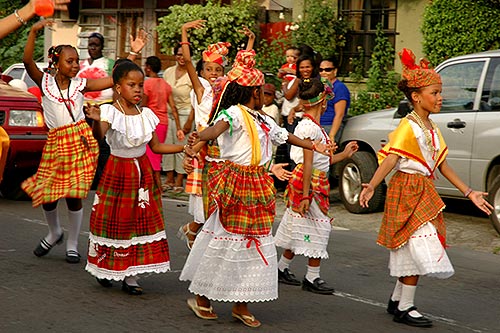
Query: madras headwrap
243,71
417,76
217,53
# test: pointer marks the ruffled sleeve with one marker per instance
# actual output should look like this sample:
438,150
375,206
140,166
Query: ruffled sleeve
306,129
277,134
231,115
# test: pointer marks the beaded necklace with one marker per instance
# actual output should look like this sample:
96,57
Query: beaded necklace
428,133
126,127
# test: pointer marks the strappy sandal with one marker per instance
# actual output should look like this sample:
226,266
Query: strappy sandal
183,234
193,305
248,320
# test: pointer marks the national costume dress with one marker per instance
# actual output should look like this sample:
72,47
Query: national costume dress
234,257
127,230
307,235
413,227
70,154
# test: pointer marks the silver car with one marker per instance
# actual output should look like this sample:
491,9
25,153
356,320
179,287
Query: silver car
470,123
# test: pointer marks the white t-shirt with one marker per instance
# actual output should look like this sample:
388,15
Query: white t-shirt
307,129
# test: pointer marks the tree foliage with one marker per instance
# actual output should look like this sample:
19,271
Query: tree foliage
320,28
223,23
456,27
12,46
381,88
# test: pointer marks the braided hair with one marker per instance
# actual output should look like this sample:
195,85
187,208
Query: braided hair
233,94
310,88
55,53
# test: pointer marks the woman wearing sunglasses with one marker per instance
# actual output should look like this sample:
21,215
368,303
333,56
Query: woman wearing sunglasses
333,118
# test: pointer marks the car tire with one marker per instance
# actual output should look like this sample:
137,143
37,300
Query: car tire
353,172
494,199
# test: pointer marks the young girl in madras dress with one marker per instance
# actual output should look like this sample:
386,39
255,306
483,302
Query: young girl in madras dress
202,98
127,229
70,155
413,228
305,227
233,258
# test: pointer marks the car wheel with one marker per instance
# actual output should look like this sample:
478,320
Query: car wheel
494,199
354,171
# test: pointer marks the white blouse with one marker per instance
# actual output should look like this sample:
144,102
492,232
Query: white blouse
202,110
128,135
55,112
235,144
307,129
411,166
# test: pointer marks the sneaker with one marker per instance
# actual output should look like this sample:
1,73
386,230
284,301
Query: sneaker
287,277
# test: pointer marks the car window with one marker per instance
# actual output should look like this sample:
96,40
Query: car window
460,85
491,94
16,73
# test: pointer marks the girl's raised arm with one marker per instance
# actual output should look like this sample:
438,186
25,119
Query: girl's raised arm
193,76
31,68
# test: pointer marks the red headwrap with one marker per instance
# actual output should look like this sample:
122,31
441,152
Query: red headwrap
217,53
243,71
417,76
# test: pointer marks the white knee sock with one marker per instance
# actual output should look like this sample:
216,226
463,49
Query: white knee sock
312,273
75,223
396,293
284,263
55,231
407,299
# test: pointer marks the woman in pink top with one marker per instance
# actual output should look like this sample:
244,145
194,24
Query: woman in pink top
157,93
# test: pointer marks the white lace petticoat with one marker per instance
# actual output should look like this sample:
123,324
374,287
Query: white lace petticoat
423,254
231,268
306,235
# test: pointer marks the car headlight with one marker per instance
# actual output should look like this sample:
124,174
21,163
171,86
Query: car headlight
29,118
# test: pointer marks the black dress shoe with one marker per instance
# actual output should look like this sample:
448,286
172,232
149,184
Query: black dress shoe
392,306
405,318
319,286
131,290
105,282
44,247
72,257
287,277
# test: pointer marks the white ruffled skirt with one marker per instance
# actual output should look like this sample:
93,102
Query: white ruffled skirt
231,268
196,208
423,254
306,235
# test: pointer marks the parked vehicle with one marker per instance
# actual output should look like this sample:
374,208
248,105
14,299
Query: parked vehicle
469,121
17,71
22,118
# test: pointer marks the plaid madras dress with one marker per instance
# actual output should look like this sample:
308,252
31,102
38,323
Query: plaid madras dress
67,167
127,229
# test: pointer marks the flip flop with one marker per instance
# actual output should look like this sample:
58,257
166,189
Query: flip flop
183,234
248,320
193,305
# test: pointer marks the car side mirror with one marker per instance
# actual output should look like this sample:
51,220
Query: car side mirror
404,108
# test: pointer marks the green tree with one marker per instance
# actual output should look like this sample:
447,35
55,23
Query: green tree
456,27
381,88
320,28
12,46
223,23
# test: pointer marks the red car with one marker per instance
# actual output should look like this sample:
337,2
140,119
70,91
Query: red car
21,116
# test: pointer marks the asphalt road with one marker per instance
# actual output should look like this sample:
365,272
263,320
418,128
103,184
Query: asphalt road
48,295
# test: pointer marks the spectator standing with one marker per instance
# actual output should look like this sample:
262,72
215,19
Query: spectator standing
157,95
333,120
177,77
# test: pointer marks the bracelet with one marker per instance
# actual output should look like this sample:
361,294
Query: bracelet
134,53
185,153
468,192
184,43
309,198
19,18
